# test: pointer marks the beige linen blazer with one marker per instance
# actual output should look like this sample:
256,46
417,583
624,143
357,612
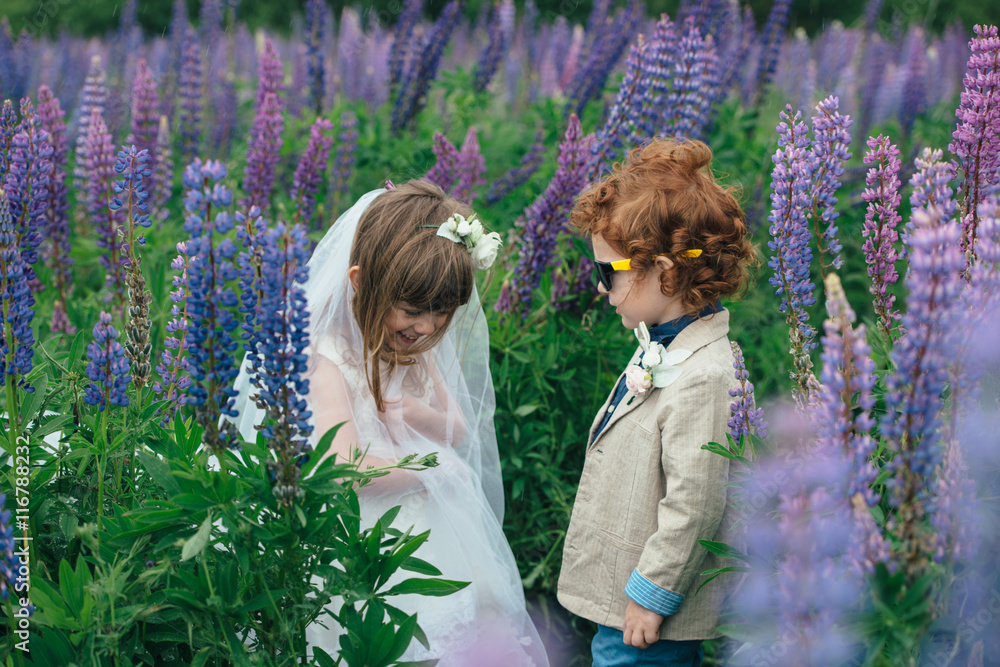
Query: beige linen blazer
648,493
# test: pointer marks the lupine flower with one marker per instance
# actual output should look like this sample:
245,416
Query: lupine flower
501,32
17,302
632,94
249,227
224,103
315,20
791,256
471,167
175,367
209,336
94,95
932,195
546,217
830,150
8,128
310,172
190,93
133,165
343,162
774,35
977,136
263,153
58,248
99,161
610,39
443,173
843,420
163,172
687,112
413,97
210,21
957,507
657,70
10,564
108,367
519,175
27,186
881,220
910,425
270,72
145,116
745,419
399,56
282,342
915,86
180,36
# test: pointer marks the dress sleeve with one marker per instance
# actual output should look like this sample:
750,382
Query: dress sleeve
695,497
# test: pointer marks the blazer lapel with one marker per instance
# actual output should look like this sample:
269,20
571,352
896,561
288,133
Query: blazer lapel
694,336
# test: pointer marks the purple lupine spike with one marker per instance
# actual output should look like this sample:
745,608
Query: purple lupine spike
210,22
27,185
263,153
830,150
108,367
932,193
225,104
913,400
145,116
16,350
343,162
180,36
94,95
190,94
623,117
8,128
98,161
610,41
163,172
976,142
546,217
413,96
311,172
400,55
746,419
687,112
843,420
773,37
791,256
881,220
8,85
51,115
519,175
283,339
657,69
209,336
443,173
270,72
175,367
957,505
315,47
249,227
915,86
501,30
470,167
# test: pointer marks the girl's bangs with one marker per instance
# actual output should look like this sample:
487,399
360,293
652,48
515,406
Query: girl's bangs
436,281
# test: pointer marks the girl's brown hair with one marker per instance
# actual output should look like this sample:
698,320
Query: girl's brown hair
664,201
401,258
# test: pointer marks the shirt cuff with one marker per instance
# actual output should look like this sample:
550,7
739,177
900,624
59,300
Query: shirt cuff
652,597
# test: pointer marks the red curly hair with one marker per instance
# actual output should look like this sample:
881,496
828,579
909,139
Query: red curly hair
664,201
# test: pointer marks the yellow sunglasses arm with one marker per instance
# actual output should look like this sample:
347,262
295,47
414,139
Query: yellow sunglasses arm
622,265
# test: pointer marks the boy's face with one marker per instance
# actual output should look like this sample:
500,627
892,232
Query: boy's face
638,298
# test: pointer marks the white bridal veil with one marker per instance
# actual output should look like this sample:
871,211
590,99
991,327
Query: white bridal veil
444,403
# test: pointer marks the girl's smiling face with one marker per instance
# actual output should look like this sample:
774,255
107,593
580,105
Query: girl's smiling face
406,324
637,298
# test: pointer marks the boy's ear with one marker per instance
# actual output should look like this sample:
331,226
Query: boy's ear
664,262
352,275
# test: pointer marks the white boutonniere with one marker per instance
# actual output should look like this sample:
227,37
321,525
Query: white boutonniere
482,247
657,369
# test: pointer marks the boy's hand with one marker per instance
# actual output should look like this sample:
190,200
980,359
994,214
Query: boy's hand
642,626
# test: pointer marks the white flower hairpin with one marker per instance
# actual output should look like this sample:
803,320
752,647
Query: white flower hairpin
482,247
658,367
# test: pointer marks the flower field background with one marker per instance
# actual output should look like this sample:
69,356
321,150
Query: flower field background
160,196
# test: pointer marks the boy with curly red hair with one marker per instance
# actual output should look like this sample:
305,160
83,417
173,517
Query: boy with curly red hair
669,243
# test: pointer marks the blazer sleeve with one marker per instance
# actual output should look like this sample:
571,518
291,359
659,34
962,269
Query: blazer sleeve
695,496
